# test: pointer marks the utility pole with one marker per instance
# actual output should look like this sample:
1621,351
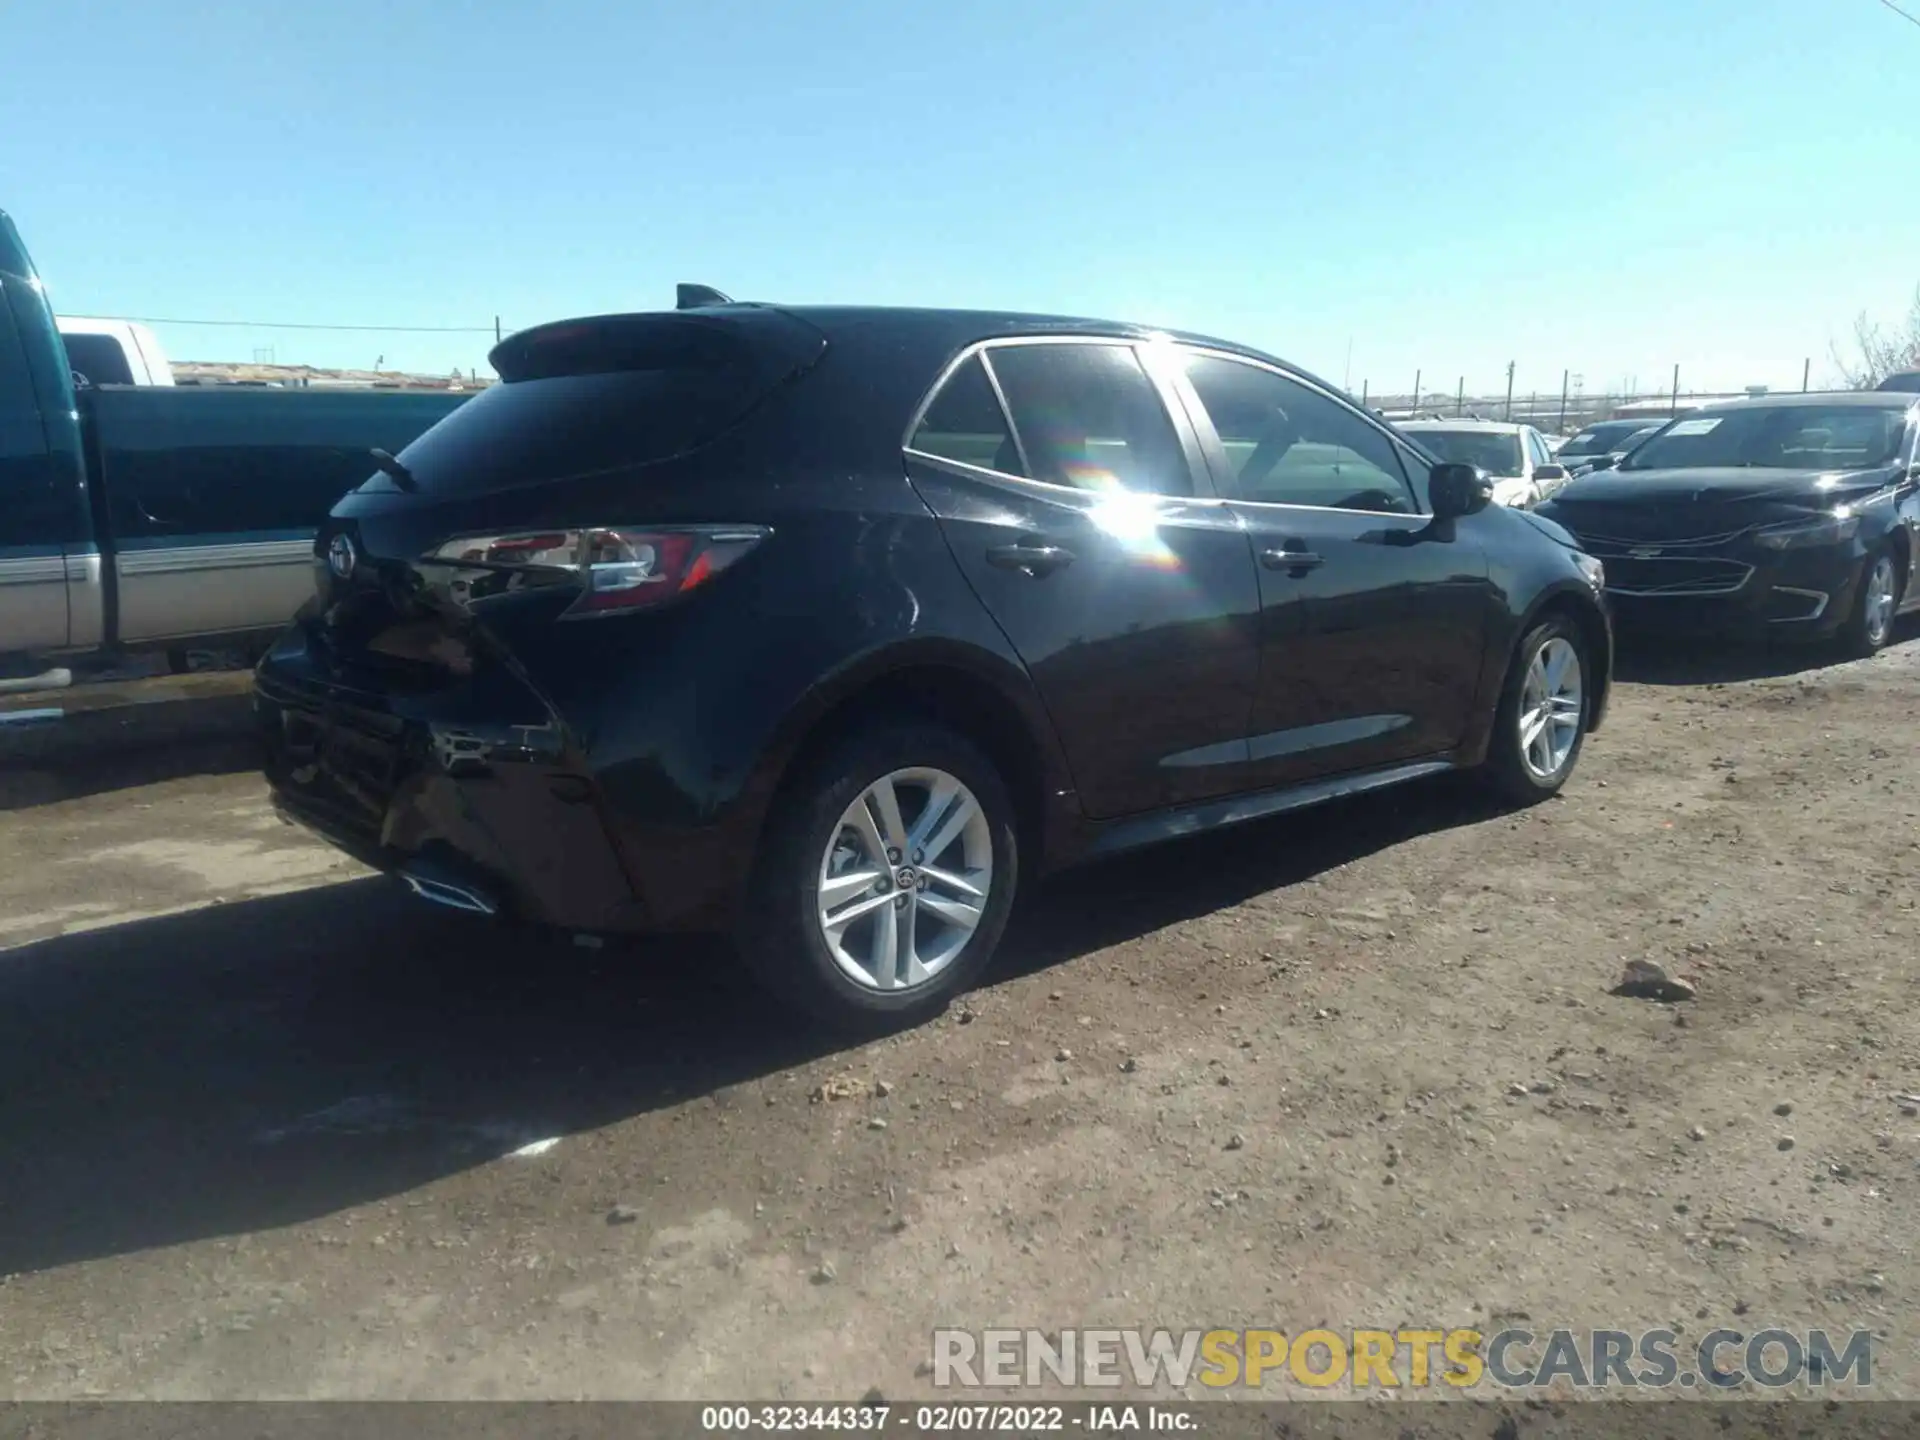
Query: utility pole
1508,413
1416,394
1565,376
1363,395
1676,389
1806,375
1346,375
496,329
1460,399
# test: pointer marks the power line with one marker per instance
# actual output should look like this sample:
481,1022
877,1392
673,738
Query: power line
299,325
1903,14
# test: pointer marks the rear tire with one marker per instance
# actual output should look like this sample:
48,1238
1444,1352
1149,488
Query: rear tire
1870,623
872,913
1545,705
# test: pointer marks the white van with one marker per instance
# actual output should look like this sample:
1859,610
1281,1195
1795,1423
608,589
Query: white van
113,352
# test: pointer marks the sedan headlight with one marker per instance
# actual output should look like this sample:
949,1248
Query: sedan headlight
1595,572
1834,529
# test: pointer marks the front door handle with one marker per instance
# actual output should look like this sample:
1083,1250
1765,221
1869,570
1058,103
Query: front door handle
1299,561
1034,560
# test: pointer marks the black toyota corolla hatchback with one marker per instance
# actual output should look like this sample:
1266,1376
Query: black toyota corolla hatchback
828,627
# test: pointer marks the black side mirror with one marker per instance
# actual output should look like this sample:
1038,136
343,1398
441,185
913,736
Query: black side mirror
1550,472
1457,490
1605,462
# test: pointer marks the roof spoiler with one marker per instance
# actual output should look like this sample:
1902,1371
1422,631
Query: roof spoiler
695,297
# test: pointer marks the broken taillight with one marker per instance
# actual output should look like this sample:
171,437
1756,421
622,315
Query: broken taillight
619,568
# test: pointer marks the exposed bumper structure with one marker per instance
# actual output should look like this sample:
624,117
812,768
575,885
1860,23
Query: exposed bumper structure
497,818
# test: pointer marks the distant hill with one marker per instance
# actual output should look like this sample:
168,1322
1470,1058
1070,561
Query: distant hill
303,377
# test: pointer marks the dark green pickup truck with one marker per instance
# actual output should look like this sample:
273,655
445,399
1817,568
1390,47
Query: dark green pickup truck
154,517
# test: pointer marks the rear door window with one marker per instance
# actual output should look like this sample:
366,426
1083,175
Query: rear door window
1087,416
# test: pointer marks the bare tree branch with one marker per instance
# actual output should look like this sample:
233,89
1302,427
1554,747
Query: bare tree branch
1879,351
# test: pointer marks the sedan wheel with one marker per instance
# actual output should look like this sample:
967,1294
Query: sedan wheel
1869,625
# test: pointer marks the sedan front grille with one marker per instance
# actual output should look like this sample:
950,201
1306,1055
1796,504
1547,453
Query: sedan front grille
1674,575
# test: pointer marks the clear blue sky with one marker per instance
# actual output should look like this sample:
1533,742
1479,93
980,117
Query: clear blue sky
1608,188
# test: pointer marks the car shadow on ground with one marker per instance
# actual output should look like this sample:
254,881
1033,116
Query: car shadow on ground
91,752
1644,659
272,1061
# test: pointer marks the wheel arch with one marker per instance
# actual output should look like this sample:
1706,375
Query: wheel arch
980,695
1900,541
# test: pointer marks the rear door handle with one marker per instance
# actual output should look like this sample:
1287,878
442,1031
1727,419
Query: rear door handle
1034,560
1276,559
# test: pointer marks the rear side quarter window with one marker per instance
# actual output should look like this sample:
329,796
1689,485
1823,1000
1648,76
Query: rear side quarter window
965,423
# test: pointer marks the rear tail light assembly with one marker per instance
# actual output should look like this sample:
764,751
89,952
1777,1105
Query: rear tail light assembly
618,569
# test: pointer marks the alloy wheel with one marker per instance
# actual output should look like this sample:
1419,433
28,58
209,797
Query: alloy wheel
1551,708
1878,615
905,878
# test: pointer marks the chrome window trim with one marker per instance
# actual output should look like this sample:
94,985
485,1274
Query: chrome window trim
980,347
1046,489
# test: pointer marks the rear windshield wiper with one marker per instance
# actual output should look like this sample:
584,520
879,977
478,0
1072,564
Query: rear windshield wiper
400,474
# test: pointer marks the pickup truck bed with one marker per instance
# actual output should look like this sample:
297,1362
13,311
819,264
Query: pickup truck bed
209,499
154,516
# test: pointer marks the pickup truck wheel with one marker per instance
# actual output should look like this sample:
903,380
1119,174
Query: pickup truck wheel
1542,720
885,880
177,660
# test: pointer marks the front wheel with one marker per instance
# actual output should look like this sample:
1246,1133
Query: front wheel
1871,621
886,878
1542,720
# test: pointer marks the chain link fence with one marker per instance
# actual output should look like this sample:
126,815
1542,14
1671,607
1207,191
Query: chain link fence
1563,411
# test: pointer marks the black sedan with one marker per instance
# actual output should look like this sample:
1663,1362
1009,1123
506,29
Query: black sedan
1601,446
1792,515
830,626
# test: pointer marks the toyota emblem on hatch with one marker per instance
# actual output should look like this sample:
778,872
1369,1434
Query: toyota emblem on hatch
342,557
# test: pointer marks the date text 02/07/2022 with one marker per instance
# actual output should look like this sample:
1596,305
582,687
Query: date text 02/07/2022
948,1419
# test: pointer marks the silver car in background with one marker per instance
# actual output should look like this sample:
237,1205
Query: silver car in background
1516,458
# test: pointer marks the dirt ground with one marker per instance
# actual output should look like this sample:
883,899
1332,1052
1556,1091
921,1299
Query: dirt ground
268,1128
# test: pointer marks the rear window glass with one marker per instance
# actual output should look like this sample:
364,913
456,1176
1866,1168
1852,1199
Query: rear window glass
610,392
532,430
99,358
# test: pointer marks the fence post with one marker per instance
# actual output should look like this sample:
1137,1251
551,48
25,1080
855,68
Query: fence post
1565,376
